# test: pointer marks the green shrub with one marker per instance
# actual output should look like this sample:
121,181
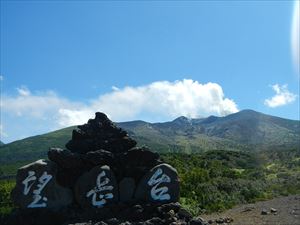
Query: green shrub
6,204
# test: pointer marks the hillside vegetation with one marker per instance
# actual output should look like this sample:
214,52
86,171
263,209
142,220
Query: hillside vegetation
217,180
34,147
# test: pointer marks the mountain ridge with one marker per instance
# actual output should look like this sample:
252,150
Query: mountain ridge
246,130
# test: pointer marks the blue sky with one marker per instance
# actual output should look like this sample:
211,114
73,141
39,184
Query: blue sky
152,60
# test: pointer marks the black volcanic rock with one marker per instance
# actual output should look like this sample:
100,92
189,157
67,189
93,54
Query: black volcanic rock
37,187
137,162
64,158
137,214
99,157
100,142
72,165
126,189
160,184
141,157
96,188
100,133
69,160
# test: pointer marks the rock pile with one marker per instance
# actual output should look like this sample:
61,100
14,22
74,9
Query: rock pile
100,133
101,176
114,214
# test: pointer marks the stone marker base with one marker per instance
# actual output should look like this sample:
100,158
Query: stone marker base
120,214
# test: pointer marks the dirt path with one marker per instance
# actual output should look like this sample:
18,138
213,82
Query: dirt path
286,211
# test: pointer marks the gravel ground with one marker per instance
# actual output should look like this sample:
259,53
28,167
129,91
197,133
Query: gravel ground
286,211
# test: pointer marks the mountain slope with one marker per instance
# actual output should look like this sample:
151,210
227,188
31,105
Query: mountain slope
253,128
245,130
34,147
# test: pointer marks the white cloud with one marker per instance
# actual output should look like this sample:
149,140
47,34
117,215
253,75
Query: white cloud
68,117
282,96
295,36
42,105
23,91
114,88
160,100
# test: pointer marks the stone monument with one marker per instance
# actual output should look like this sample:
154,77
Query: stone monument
100,175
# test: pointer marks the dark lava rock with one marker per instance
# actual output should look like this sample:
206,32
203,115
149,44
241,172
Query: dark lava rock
273,210
126,189
96,188
99,157
64,158
141,156
175,206
101,223
113,221
73,165
198,221
264,212
184,214
70,166
155,221
228,220
137,212
160,184
137,162
36,187
100,142
100,133
121,214
40,216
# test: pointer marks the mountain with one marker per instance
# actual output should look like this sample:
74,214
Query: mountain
245,130
1,143
253,128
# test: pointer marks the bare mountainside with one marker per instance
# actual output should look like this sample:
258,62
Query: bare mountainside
246,130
